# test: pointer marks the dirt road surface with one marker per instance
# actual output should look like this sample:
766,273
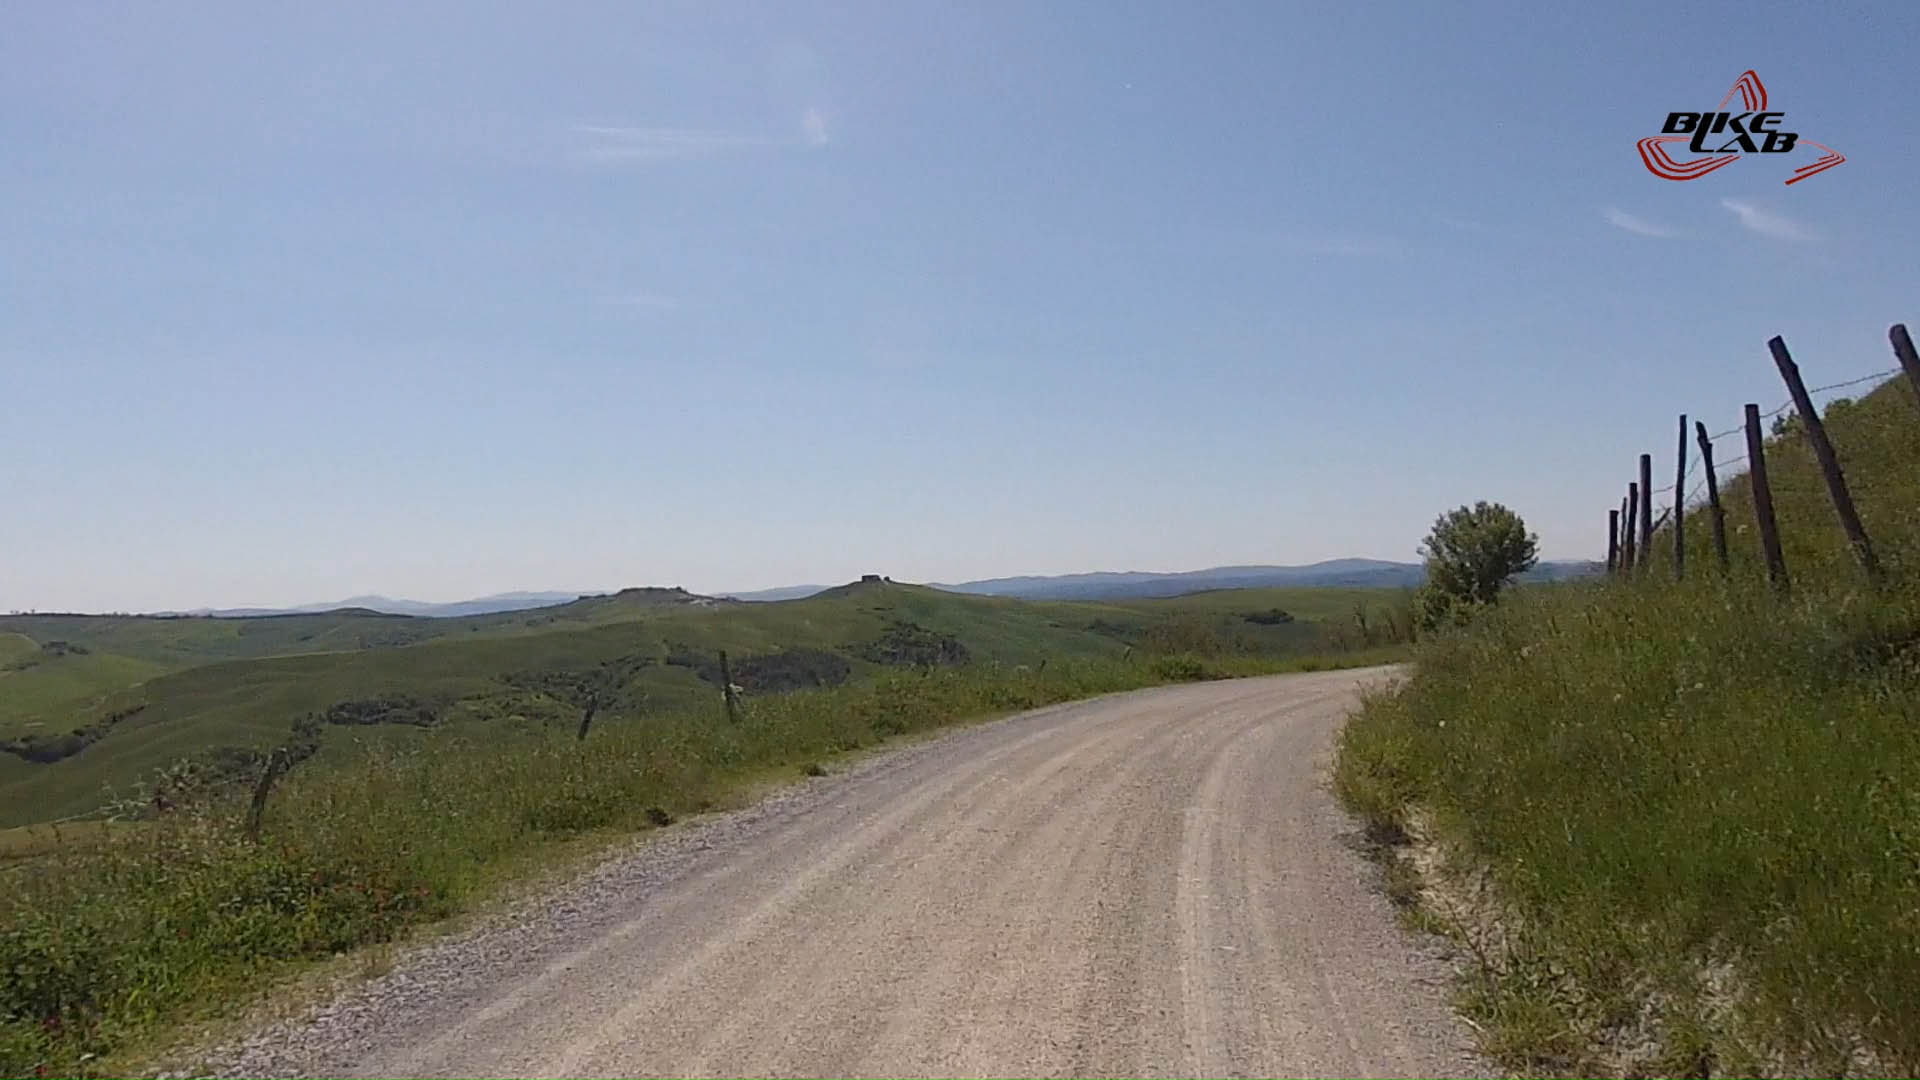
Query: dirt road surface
1153,883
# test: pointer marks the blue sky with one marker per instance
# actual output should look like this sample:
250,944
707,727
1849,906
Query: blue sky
442,299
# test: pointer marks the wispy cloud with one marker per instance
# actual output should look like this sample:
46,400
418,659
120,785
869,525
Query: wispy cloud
611,144
813,127
1638,226
1767,222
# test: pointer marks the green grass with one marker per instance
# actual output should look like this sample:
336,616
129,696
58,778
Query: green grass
59,693
1316,604
107,941
36,841
16,647
250,703
1697,804
1320,617
186,641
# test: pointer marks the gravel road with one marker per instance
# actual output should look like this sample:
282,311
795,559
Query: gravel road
1153,883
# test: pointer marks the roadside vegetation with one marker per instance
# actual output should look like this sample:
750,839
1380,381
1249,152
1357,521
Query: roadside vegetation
1675,826
114,932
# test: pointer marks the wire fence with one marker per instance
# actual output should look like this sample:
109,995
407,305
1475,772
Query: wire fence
1695,493
1630,532
1767,416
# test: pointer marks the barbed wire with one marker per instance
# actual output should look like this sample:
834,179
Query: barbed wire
1788,404
1816,390
1692,497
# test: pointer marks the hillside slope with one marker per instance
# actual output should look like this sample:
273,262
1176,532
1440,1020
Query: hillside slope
58,691
1694,806
387,605
650,651
1135,584
178,641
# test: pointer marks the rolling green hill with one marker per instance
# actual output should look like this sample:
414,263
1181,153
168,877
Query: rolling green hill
653,651
445,767
109,655
58,692
177,641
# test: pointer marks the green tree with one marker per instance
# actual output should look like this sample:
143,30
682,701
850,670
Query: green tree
1472,553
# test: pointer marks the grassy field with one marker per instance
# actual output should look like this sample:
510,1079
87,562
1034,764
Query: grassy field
34,841
57,692
177,641
493,674
15,648
1239,619
112,934
1677,826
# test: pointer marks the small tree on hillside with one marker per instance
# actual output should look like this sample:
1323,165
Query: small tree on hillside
1472,553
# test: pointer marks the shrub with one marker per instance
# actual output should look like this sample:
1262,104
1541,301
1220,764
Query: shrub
1186,634
1472,553
908,645
1183,668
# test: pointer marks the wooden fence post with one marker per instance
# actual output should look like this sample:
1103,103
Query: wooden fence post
1630,557
1646,509
1626,526
1613,541
1829,461
276,764
1763,500
1680,502
726,689
1903,348
1718,516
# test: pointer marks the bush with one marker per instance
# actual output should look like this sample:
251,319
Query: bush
768,673
1472,553
1188,635
47,749
1183,668
398,709
907,645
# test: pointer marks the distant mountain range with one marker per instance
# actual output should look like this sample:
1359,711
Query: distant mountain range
1351,572
386,605
1354,573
